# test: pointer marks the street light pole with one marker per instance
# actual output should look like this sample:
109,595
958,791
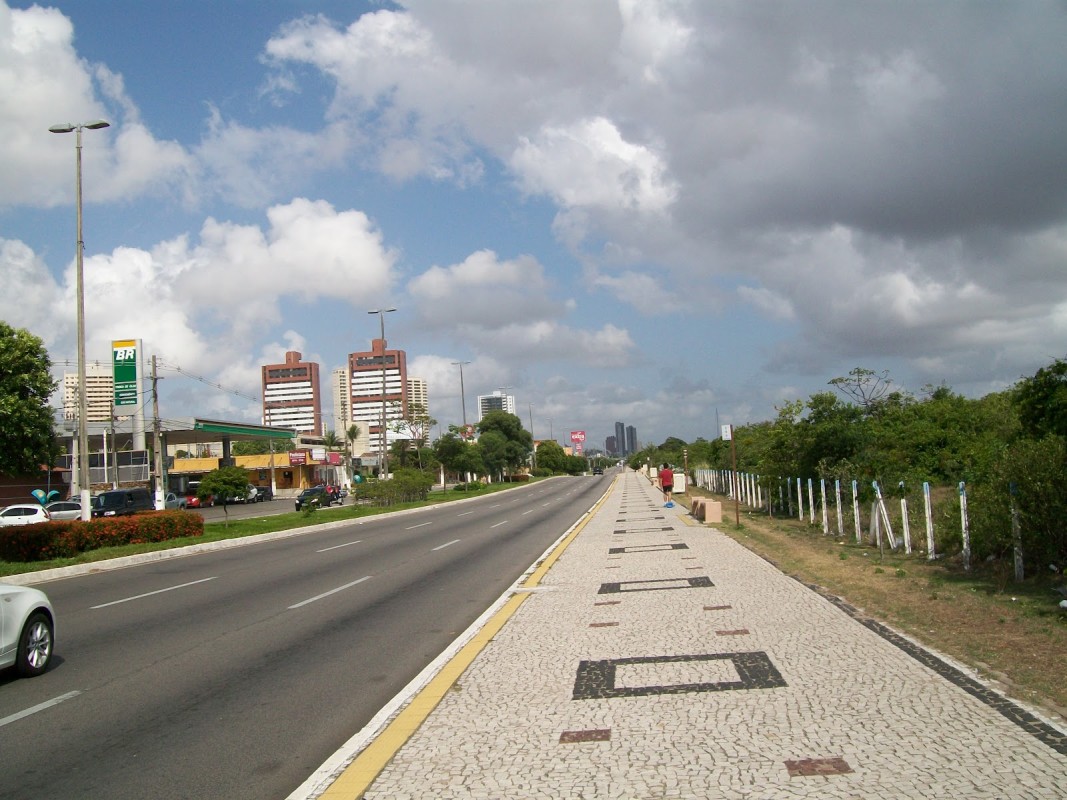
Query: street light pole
383,462
462,394
84,482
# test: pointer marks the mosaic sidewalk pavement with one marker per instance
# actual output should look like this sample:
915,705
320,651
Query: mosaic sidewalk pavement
659,659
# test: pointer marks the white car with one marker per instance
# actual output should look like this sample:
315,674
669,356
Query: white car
23,514
64,509
27,629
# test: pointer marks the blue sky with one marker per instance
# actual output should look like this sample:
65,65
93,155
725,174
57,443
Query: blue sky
663,213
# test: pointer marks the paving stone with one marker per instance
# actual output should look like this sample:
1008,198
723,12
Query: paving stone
832,707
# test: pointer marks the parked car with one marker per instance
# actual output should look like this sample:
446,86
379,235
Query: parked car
172,502
64,509
264,493
319,495
27,629
122,502
192,499
23,514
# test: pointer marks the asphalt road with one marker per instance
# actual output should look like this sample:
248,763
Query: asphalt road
237,673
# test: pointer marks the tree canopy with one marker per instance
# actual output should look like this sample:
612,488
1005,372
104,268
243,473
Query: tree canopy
26,438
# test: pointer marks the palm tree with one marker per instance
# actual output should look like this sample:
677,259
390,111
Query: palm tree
351,435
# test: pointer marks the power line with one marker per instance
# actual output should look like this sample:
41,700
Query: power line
172,368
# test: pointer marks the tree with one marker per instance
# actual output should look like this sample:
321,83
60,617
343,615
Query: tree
1042,401
518,443
415,425
351,434
331,441
223,483
26,440
493,446
865,386
551,457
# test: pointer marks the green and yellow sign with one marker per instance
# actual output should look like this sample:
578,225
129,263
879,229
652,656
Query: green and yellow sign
124,371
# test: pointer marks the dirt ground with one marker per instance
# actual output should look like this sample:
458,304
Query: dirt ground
1012,634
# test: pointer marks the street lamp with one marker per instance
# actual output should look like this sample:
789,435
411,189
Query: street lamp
462,394
383,463
83,402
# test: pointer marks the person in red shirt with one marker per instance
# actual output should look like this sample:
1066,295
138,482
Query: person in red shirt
666,483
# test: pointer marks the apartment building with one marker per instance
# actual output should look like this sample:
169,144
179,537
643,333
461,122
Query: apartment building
291,395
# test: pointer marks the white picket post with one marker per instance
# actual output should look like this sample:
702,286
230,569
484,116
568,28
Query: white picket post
822,494
856,513
965,525
930,554
840,515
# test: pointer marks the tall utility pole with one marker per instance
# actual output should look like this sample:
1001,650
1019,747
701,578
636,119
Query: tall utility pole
157,437
533,442
383,462
462,394
84,481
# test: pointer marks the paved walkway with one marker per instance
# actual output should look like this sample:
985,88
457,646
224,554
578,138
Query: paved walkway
657,658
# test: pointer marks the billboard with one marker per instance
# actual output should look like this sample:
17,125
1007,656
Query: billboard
577,436
124,371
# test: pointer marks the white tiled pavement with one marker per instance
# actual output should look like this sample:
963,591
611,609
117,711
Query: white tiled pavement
882,724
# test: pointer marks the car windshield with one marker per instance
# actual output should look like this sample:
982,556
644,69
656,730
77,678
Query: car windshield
108,500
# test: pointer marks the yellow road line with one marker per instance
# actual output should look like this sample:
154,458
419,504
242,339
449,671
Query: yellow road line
360,774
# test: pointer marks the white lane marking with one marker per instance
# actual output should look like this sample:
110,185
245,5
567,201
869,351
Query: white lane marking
420,525
524,513
332,591
55,701
465,513
338,546
446,544
149,594
496,505
505,522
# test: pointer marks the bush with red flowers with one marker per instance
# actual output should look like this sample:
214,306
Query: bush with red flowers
67,538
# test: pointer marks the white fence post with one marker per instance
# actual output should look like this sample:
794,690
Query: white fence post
800,500
856,513
965,525
822,494
811,503
930,554
840,514
904,518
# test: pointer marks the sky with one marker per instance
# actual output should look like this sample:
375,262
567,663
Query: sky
677,215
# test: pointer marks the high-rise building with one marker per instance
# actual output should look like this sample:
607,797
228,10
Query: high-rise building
418,394
99,393
611,446
631,440
367,370
340,388
497,401
620,439
291,397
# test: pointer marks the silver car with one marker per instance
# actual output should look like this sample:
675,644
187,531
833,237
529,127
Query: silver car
27,629
64,509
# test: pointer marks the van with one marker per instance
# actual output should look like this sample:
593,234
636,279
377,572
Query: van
120,502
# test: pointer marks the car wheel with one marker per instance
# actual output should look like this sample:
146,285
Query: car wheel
35,645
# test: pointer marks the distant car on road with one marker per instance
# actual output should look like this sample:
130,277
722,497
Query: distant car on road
318,495
264,493
172,502
64,509
598,471
23,514
27,629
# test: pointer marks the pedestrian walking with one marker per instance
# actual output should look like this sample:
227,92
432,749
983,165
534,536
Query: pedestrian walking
666,483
